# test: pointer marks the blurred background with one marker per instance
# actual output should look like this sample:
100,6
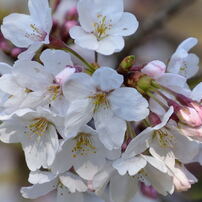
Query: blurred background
163,25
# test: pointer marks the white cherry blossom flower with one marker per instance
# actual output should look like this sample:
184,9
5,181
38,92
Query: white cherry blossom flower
101,97
182,62
29,31
31,84
36,131
104,28
69,186
84,152
165,142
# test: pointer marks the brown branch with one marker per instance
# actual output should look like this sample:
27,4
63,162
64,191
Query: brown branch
153,23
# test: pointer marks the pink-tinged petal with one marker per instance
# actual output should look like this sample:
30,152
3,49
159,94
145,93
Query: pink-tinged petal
155,69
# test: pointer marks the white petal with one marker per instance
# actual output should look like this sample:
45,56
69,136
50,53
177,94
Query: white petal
79,86
41,151
129,104
122,188
162,182
197,92
80,113
156,163
41,177
55,60
20,25
103,8
88,169
107,79
110,45
38,190
8,133
5,68
183,142
130,165
63,195
139,144
191,66
34,78
102,178
165,119
83,39
169,80
73,182
41,13
30,52
9,85
111,129
127,25
188,43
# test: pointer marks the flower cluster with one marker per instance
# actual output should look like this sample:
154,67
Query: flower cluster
91,132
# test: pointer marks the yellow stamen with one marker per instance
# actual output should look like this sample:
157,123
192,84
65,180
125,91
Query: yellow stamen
83,145
101,27
38,126
55,91
164,138
100,99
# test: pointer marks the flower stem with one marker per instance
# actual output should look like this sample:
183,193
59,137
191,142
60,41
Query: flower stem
157,100
58,44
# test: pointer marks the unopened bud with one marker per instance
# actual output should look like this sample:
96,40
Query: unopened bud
64,75
189,116
16,51
154,119
195,133
126,64
154,69
149,191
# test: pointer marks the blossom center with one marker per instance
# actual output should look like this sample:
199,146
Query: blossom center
83,145
164,138
101,27
38,126
55,91
37,34
100,99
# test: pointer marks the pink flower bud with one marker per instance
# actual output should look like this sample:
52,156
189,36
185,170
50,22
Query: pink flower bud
16,51
149,191
189,116
154,69
154,119
64,75
72,13
195,133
